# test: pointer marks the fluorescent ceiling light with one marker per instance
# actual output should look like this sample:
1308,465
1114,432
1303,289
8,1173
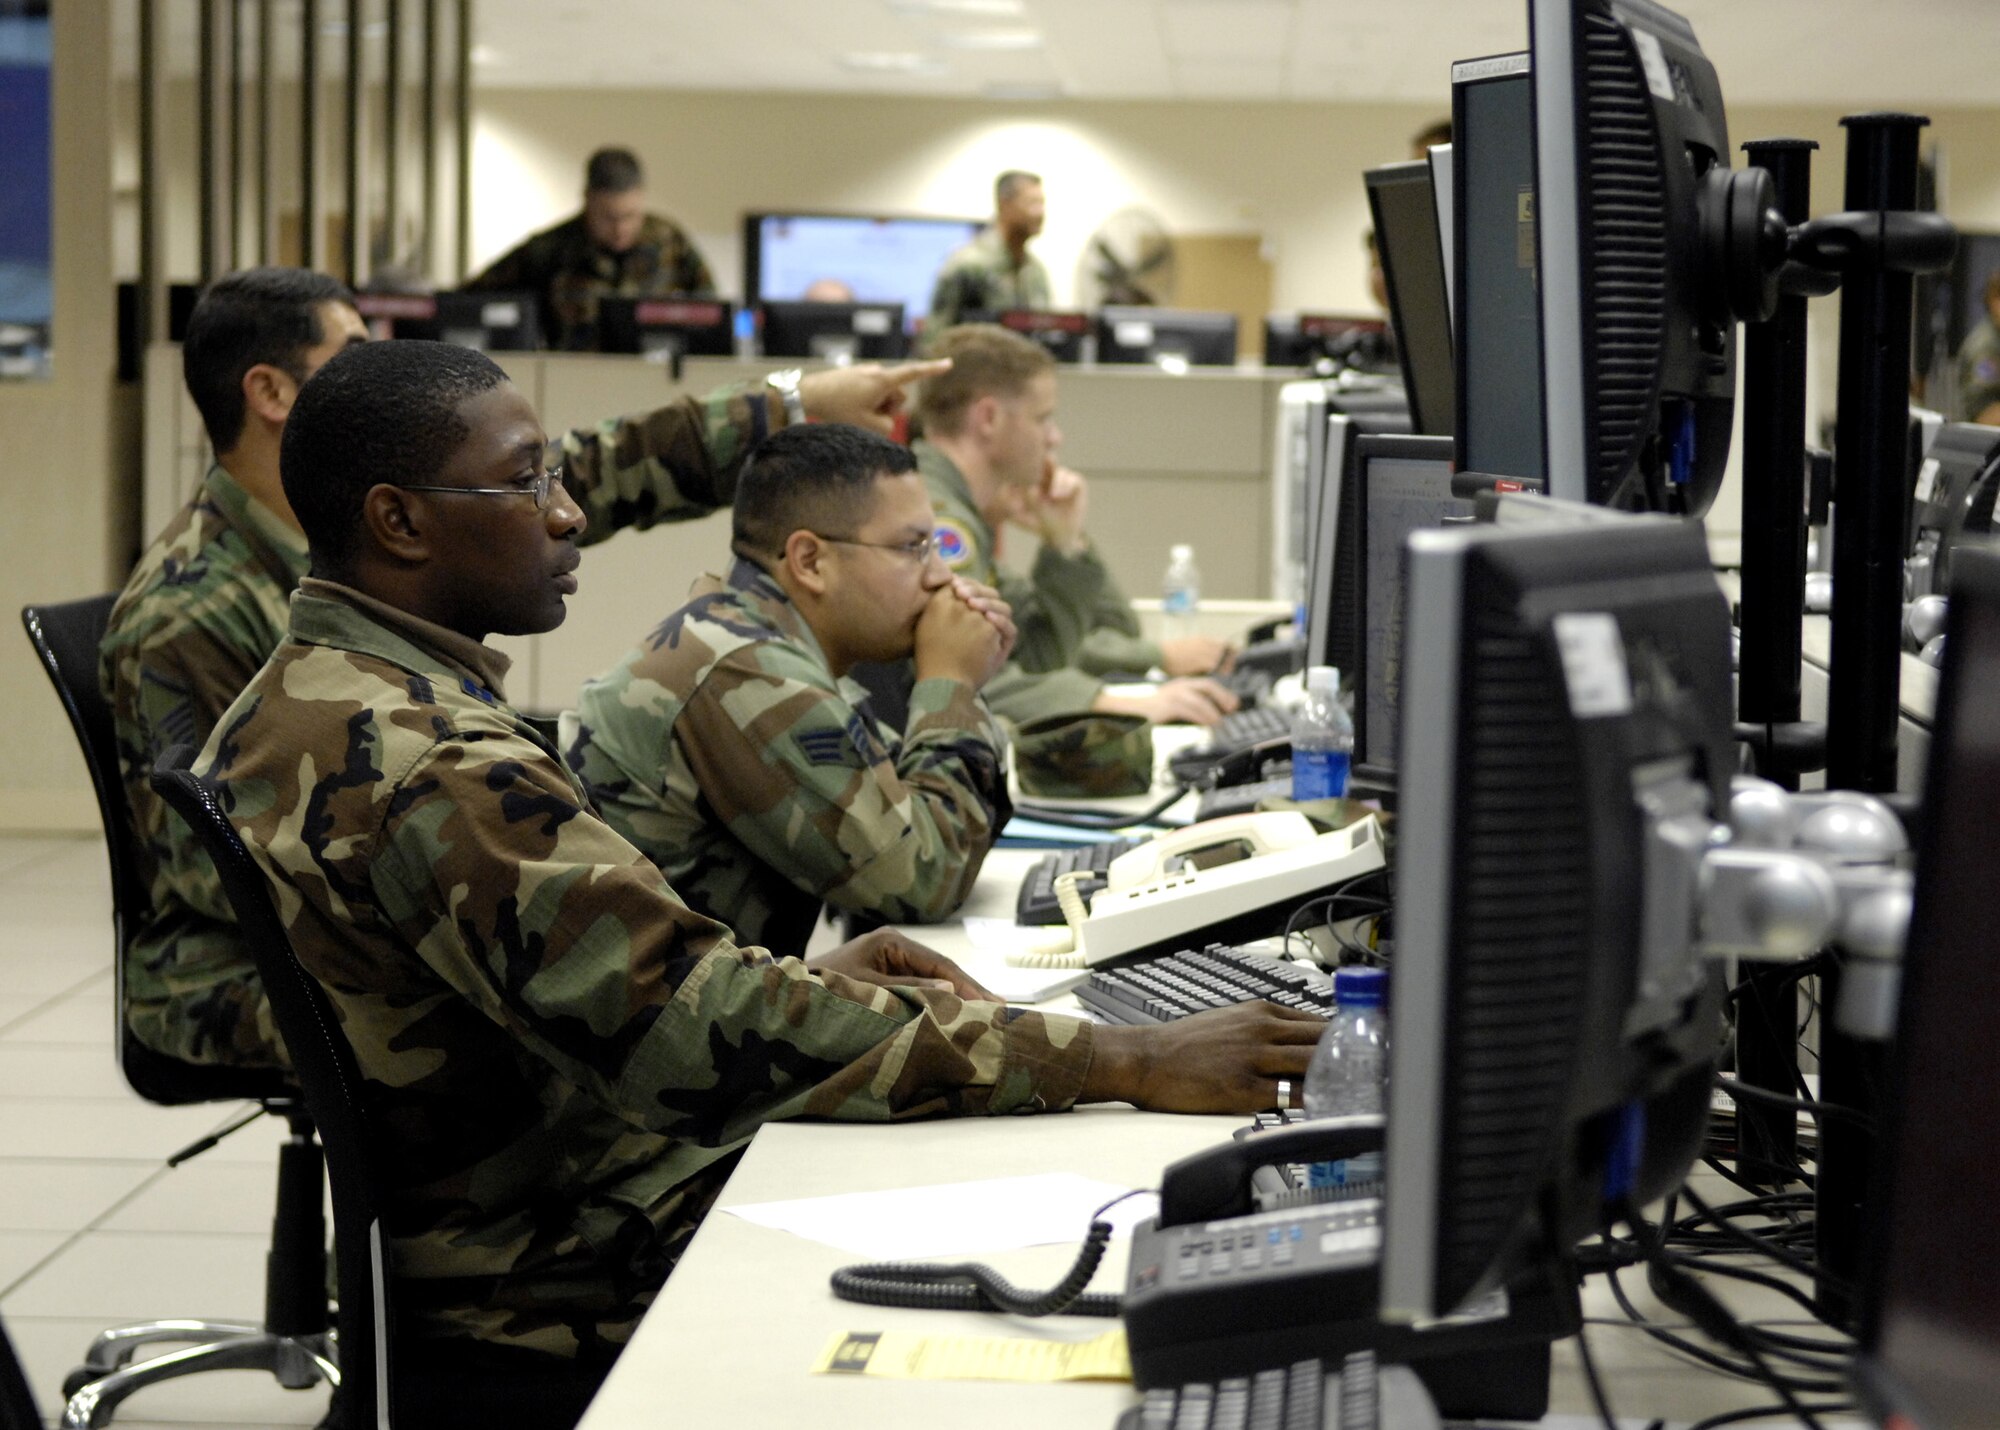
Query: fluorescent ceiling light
992,41
892,62
985,9
486,55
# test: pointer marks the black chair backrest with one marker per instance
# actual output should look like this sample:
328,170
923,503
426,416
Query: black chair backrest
17,1402
66,637
330,1080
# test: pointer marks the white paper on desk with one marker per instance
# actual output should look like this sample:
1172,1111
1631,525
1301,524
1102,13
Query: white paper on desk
955,1218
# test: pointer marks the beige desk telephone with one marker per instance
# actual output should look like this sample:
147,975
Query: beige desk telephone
1220,880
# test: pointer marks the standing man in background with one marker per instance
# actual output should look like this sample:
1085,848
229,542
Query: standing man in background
613,248
1979,362
995,271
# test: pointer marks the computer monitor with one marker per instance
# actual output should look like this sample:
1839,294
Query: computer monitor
666,328
1633,193
1171,338
880,258
833,332
1401,485
1930,1320
490,322
1404,207
1564,756
1333,597
1329,343
1064,334
1496,313
1946,503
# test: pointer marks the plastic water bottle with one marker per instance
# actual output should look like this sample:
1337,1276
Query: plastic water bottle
1180,593
1350,1067
1322,739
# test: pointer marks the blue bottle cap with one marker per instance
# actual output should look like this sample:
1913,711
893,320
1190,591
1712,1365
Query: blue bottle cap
1358,986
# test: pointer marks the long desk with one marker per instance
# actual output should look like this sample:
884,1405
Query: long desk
733,1335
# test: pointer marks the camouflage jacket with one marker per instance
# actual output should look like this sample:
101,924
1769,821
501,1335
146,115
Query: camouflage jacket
567,272
560,1057
1075,624
981,278
205,607
1979,370
727,751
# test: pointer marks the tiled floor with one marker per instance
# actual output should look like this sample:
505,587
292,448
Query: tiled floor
95,1230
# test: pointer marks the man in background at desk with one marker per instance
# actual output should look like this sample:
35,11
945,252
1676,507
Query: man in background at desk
988,456
1979,362
730,748
205,605
995,272
613,248
563,1059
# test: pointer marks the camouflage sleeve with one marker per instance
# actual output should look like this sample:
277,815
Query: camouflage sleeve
555,928
520,267
1018,696
951,297
1056,607
671,464
1113,644
694,277
797,775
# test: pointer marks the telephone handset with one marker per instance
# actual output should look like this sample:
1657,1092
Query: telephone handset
1221,880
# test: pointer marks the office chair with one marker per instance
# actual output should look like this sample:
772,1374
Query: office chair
385,1380
291,1343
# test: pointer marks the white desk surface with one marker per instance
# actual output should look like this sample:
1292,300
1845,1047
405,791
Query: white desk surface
732,1337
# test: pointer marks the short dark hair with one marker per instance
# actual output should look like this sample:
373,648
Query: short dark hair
815,477
613,171
987,360
379,412
256,316
1438,131
1009,183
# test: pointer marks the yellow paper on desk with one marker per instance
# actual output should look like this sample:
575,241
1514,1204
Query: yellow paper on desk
899,1355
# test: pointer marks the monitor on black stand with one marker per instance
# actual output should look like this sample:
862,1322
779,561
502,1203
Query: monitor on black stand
1404,206
490,322
833,332
1326,344
1930,1312
1174,339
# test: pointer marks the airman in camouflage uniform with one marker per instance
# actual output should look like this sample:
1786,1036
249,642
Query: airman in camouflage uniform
995,272
735,754
614,248
562,1059
205,607
1979,359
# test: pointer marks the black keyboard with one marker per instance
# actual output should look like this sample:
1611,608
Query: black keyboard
1248,686
1351,1394
1160,990
1244,798
1232,734
1037,904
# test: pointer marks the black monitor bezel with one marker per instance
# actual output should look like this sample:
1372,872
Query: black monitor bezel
870,346
1433,413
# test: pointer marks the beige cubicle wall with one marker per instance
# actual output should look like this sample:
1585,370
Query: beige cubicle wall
1171,458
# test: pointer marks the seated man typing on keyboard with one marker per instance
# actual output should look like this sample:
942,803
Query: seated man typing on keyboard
729,747
988,455
561,1058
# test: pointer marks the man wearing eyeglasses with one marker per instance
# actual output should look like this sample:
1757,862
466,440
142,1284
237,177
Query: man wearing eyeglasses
732,748
205,605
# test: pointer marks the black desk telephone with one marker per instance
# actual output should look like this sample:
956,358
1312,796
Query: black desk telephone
1217,1288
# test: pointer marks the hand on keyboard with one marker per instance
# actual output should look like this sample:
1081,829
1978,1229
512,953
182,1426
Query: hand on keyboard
1196,700
1225,1060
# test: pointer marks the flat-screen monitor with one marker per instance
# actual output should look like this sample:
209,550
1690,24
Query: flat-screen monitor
1951,500
1638,333
1930,1318
1404,207
1333,594
490,322
832,332
1329,343
1553,1030
1066,335
1496,314
1401,485
1170,338
877,258
666,328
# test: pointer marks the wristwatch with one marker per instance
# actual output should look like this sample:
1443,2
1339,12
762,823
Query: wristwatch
785,382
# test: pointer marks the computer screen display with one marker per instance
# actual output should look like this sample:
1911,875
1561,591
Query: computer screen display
1167,337
1553,1033
1403,485
1404,207
878,258
832,332
1931,1318
1497,306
